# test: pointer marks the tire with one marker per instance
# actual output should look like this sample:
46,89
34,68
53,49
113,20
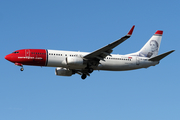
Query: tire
90,70
22,69
84,76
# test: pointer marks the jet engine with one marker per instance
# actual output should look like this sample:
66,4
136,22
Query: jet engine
63,71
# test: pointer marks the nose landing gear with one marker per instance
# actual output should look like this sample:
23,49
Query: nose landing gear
21,65
21,69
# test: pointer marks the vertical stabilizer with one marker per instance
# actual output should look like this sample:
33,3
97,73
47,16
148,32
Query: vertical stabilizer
151,48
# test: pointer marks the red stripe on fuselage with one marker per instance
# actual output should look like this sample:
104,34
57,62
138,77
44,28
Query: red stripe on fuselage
37,57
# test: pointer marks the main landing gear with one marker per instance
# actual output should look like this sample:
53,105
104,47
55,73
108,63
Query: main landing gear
84,75
90,70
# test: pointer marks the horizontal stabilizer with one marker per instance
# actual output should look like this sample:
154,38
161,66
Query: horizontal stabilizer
159,57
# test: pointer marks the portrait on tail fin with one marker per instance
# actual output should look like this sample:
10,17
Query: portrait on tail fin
153,49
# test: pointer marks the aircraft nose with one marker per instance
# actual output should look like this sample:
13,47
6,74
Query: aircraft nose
8,57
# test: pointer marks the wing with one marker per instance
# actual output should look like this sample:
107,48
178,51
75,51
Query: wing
101,53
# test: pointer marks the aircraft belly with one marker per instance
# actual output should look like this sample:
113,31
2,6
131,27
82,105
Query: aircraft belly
114,66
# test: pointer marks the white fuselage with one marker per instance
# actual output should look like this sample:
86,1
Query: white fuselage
57,58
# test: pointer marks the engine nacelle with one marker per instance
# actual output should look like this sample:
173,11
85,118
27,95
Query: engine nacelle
74,61
63,72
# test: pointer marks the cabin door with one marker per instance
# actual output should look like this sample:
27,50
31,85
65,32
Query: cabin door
27,53
137,60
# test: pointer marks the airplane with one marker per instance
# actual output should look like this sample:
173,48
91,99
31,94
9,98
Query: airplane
68,63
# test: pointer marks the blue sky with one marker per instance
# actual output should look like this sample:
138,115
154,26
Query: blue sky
36,93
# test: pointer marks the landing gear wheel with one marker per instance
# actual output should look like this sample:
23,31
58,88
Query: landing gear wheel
84,76
90,70
22,69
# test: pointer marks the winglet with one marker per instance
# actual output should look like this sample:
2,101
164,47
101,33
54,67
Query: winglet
131,31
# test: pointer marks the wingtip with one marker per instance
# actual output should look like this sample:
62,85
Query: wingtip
172,50
131,31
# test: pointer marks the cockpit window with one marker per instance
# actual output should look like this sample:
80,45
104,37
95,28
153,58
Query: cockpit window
16,52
